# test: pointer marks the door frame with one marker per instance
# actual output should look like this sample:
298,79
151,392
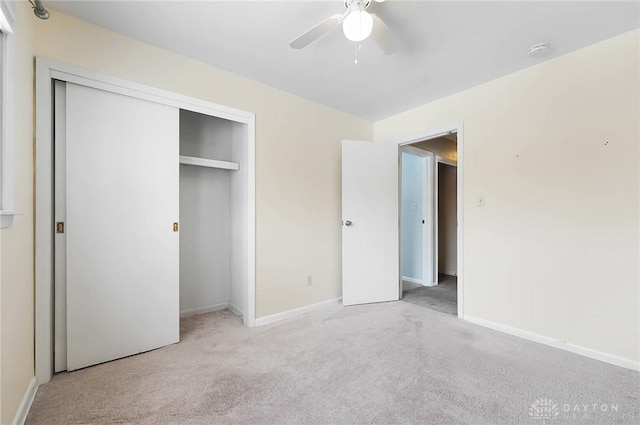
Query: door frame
428,162
47,71
459,130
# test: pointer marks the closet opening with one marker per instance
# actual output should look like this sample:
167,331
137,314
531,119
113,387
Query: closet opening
211,214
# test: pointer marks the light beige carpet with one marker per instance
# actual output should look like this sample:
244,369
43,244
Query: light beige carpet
392,363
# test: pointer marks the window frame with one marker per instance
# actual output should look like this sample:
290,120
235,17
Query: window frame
7,211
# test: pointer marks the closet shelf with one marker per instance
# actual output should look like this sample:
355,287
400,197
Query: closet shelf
211,163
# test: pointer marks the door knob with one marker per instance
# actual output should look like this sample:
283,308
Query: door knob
348,223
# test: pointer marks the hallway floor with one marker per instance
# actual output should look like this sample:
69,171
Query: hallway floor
442,298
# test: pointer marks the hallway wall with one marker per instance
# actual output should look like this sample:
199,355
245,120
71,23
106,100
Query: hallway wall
447,219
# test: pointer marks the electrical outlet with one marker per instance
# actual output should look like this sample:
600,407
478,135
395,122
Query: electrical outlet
309,280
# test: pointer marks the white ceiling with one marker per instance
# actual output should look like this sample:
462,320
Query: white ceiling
448,46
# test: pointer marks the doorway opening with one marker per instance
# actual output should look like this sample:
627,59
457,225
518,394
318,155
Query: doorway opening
429,223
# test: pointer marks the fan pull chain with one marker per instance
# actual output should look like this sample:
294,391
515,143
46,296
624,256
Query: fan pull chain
358,48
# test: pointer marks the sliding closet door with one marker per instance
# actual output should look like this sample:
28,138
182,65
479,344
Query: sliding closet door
122,200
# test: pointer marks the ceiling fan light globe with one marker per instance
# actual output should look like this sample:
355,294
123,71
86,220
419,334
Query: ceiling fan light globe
357,25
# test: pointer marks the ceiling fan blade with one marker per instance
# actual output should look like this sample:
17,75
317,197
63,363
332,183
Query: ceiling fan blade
383,36
316,32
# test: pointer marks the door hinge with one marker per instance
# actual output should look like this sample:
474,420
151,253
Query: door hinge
175,226
60,227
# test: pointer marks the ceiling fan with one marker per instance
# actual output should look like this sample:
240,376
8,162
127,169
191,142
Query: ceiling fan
357,25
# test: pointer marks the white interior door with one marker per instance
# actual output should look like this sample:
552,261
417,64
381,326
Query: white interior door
370,229
121,202
420,188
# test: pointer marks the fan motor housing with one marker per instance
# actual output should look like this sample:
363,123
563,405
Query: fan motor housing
350,3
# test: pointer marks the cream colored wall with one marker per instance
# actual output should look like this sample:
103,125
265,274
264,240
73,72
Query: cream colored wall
554,148
298,145
17,275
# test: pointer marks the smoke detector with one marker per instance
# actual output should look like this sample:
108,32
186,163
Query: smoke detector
538,49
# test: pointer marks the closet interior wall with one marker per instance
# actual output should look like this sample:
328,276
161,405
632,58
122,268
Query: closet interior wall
211,216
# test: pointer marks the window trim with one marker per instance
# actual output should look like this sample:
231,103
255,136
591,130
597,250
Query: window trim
7,211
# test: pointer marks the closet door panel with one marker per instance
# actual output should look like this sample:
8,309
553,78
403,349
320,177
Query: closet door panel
122,251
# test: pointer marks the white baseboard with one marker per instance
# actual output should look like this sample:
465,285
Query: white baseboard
412,280
23,409
235,310
296,312
205,309
562,345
